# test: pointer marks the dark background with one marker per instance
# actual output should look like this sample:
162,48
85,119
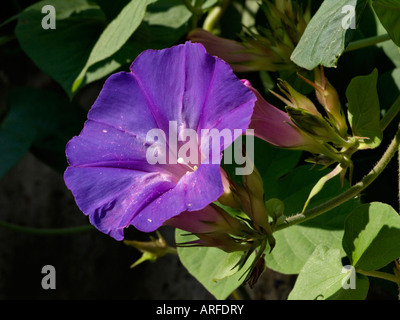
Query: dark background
91,265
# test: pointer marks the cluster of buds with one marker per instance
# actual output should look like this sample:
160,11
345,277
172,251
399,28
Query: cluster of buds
268,48
248,197
303,127
329,131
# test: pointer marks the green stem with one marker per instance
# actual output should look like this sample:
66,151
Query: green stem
349,193
380,275
390,114
46,231
214,16
367,42
195,10
172,250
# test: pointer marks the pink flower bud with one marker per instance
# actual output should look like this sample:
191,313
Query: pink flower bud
211,219
232,52
275,126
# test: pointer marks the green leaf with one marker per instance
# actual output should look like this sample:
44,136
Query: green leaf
164,23
325,38
209,4
210,266
295,245
272,162
388,12
229,266
64,52
61,52
122,57
111,8
392,52
114,36
364,109
41,121
322,278
372,236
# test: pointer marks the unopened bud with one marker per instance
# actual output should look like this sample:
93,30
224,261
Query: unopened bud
254,184
254,187
229,198
329,98
275,126
211,219
315,126
297,100
233,52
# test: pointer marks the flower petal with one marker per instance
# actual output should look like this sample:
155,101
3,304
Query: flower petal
123,105
200,92
101,145
193,192
110,196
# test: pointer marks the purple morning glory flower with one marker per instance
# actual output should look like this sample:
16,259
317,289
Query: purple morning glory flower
109,173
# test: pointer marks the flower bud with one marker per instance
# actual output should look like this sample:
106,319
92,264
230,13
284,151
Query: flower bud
315,126
270,47
298,129
275,126
228,198
329,98
211,219
253,185
232,52
296,99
